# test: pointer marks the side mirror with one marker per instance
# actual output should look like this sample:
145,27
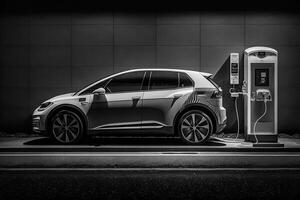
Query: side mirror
99,91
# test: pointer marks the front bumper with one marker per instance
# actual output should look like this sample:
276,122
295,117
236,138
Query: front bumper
38,123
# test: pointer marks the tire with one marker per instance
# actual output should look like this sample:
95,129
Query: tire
66,127
195,127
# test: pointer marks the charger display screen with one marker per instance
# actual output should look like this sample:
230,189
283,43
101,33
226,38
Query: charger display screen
234,68
261,77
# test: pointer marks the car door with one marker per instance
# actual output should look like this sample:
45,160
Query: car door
120,106
161,99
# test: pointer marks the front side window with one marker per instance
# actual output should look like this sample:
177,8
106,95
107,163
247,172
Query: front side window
163,80
128,82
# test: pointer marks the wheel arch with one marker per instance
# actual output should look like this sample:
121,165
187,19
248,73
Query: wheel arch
200,107
68,107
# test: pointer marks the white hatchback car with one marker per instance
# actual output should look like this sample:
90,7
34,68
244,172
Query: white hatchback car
142,101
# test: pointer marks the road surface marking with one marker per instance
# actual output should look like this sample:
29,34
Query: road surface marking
151,169
121,154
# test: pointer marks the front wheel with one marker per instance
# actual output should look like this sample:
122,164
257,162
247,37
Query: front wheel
195,127
66,127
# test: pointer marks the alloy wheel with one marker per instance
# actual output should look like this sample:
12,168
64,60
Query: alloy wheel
195,127
66,127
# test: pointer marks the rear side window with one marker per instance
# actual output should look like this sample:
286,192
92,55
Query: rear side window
184,80
163,80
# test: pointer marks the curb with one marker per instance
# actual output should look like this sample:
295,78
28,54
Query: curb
147,149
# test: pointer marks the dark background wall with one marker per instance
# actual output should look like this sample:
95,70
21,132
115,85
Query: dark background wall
46,54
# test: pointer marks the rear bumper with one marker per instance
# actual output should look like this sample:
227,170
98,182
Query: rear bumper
221,119
221,127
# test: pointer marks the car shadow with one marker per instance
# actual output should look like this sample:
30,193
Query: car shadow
124,141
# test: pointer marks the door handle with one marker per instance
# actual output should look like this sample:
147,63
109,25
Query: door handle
176,96
136,97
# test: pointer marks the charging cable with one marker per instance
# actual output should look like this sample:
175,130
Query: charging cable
237,118
255,124
236,96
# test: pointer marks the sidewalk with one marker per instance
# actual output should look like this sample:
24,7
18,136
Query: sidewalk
147,144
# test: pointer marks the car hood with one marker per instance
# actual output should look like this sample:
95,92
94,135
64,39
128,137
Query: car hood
61,97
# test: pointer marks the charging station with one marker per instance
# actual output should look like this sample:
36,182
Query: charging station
261,99
260,91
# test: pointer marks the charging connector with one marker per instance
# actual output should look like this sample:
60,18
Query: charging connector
234,94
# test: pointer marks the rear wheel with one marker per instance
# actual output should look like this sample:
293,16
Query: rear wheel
66,127
195,127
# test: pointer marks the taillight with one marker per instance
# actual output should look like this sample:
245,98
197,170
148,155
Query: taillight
217,94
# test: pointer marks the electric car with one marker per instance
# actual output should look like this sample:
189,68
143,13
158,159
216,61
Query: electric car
171,102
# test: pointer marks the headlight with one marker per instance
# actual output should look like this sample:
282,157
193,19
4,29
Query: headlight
45,105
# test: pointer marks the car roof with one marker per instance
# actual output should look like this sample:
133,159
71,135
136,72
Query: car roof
168,69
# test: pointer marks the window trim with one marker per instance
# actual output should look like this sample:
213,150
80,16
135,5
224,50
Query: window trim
145,73
109,78
150,76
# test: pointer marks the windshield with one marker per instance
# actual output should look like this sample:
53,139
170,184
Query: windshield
88,86
84,87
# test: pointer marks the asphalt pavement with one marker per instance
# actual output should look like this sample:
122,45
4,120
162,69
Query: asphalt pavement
150,184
